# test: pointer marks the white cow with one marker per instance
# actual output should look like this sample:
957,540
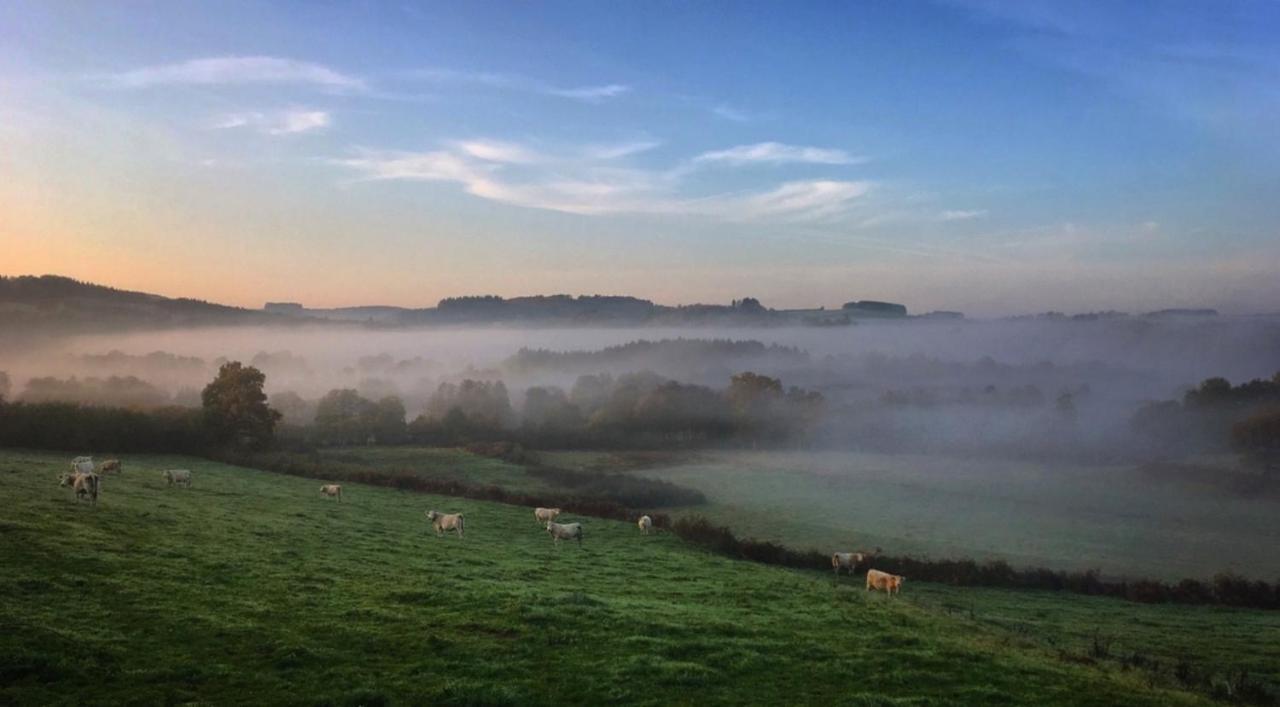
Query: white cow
851,560
82,465
645,524
445,521
177,477
846,561
542,515
565,531
332,491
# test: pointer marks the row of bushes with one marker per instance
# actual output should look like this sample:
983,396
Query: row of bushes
294,465
73,426
1225,589
625,488
629,490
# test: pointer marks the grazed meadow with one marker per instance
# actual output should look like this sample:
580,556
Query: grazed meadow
250,587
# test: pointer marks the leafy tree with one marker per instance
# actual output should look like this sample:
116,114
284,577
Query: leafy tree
752,395
549,409
1258,437
4,385
342,417
235,408
482,402
385,421
293,407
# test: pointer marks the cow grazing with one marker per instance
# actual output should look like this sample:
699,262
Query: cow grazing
565,531
332,491
888,583
84,486
177,477
82,465
445,521
111,466
645,524
542,515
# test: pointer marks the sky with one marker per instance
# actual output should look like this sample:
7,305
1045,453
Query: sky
994,158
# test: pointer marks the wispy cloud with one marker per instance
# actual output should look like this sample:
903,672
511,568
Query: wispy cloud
730,113
778,153
619,150
513,82
236,70
589,181
288,122
961,214
805,200
591,94
498,151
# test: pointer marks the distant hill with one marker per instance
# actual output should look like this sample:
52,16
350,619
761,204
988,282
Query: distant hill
52,303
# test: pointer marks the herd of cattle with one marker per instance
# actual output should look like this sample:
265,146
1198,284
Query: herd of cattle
85,477
86,484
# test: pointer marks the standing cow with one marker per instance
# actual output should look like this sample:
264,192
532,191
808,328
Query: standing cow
443,522
332,491
888,583
177,477
111,466
82,465
564,531
850,560
645,524
542,515
84,486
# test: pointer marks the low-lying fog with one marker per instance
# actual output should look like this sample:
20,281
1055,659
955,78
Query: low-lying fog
915,384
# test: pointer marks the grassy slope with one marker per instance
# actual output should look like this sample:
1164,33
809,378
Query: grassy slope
440,463
1212,642
251,588
1063,517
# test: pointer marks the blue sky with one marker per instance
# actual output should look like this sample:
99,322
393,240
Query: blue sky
989,157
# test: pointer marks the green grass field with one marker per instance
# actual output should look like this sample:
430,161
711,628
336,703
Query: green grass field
250,588
1064,517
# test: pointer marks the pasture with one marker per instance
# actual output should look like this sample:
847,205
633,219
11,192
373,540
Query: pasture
447,464
1060,516
251,588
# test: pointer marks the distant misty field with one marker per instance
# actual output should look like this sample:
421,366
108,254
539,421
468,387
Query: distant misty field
1057,515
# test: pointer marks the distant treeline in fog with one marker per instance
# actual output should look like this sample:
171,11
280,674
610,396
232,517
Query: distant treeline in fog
633,410
673,391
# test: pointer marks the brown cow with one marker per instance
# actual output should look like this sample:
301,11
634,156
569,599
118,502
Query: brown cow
84,486
888,583
111,466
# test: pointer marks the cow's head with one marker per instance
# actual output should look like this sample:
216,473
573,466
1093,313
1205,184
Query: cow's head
432,515
66,479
